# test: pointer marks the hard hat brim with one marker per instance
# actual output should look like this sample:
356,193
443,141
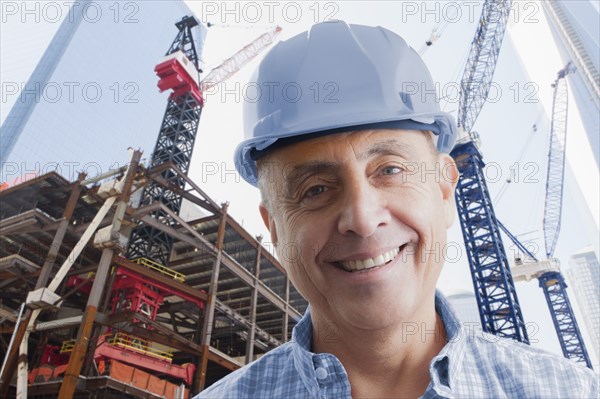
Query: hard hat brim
249,151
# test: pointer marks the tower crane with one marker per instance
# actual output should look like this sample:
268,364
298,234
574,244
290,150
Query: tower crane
178,71
548,271
495,292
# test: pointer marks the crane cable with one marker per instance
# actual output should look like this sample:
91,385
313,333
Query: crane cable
534,129
455,78
436,33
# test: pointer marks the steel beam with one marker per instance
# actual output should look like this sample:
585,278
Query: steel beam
207,326
222,359
239,319
31,214
252,329
67,388
67,322
285,315
161,334
168,284
252,241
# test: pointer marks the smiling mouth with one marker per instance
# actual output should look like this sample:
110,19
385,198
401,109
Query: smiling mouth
357,265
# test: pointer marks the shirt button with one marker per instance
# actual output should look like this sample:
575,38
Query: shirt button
321,373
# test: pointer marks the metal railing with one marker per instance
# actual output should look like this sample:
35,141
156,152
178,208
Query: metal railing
67,346
132,343
160,268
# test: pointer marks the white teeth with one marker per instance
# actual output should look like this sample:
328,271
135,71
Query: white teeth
379,260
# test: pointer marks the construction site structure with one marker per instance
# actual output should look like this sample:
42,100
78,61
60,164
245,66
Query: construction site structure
134,291
143,350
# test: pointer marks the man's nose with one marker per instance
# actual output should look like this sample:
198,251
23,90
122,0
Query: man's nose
363,210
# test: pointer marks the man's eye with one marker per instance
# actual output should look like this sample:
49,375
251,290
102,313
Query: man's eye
315,190
391,170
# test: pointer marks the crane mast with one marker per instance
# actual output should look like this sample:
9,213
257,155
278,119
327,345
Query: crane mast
174,144
495,292
563,317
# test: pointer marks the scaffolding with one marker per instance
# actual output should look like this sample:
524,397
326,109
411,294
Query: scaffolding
223,301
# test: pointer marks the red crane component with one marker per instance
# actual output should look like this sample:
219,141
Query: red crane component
134,294
44,373
157,284
53,356
178,73
127,352
127,279
131,291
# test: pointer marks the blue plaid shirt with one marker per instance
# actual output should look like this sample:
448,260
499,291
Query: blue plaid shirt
472,364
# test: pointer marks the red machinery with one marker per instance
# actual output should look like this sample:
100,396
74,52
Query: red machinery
130,292
178,73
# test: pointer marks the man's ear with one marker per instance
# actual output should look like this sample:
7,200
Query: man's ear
269,222
448,179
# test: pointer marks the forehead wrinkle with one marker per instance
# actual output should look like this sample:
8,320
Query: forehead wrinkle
387,147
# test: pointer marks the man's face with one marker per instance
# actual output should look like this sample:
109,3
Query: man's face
359,220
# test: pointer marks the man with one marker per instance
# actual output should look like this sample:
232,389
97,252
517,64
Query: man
357,193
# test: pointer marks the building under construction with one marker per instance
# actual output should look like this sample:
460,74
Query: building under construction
108,288
155,331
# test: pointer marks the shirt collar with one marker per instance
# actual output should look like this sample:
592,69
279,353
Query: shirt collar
444,368
302,332
302,355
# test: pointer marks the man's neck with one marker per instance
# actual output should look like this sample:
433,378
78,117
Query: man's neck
387,363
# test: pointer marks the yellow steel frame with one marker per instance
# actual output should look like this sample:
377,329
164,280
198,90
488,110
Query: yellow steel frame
126,341
160,268
67,346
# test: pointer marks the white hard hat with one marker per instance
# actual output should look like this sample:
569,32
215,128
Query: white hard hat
339,77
